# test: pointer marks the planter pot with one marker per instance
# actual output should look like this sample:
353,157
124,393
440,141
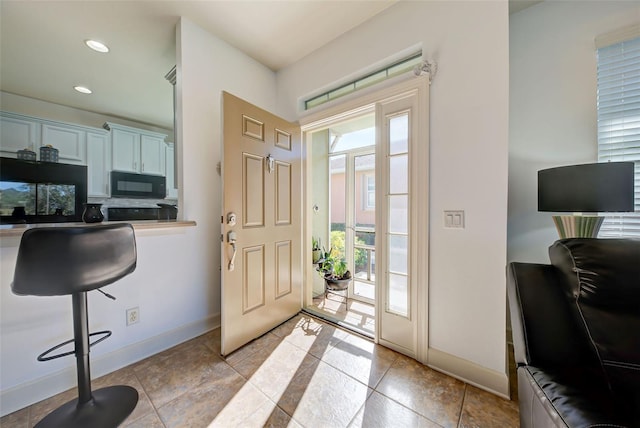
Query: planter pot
337,284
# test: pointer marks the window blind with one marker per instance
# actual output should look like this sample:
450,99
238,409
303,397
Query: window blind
619,122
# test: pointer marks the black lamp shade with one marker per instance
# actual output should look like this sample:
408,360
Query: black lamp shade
594,187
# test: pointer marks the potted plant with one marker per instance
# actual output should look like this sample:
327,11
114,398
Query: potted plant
315,248
335,272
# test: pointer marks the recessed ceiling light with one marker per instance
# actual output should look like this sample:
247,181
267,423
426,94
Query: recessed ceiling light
97,46
82,89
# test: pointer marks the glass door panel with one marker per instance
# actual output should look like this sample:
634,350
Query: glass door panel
364,209
397,206
337,210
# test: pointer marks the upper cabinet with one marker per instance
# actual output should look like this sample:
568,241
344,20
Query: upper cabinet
98,164
137,150
18,132
69,140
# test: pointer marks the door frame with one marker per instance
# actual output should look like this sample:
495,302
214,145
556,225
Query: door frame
354,106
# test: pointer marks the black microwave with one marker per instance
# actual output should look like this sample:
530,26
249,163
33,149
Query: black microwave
130,185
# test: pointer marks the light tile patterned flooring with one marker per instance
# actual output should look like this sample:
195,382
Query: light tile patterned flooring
304,373
355,314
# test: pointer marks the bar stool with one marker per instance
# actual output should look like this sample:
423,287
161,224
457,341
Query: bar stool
55,261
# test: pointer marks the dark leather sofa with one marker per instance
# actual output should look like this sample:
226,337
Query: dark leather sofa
576,333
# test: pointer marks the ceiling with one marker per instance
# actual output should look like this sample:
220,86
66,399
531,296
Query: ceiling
43,56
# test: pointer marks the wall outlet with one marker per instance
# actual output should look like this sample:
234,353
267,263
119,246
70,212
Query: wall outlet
133,316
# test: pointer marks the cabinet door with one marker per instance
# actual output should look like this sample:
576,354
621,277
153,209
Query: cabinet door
152,154
172,191
70,142
17,134
126,150
98,164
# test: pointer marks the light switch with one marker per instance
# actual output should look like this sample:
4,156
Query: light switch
454,219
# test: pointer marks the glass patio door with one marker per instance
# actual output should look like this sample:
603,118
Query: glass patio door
352,195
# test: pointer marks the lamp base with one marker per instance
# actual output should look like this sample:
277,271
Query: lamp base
577,226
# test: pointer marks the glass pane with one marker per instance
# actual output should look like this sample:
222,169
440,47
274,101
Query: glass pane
398,253
54,198
365,238
398,173
353,134
399,134
398,298
370,80
343,90
398,214
17,195
365,190
363,289
364,264
337,197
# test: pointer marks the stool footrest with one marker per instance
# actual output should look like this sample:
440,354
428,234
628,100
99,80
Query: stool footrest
44,356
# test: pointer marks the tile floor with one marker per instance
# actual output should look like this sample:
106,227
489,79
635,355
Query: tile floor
352,313
304,373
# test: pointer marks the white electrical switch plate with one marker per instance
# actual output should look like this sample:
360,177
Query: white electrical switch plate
454,219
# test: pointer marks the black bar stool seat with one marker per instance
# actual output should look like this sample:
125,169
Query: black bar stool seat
56,261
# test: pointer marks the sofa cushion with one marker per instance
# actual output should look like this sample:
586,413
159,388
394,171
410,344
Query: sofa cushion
567,397
602,281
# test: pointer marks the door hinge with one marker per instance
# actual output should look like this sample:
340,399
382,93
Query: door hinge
221,237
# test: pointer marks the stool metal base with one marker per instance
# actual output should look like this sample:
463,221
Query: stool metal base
109,408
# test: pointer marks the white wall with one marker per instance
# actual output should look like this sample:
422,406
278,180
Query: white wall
468,141
207,67
552,105
176,284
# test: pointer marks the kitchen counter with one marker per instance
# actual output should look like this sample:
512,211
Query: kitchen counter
7,230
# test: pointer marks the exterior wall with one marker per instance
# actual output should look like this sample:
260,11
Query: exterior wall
552,105
363,214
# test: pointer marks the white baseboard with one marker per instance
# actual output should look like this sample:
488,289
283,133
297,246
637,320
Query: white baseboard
469,372
31,392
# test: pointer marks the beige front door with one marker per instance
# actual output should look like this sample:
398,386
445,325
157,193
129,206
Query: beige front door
262,228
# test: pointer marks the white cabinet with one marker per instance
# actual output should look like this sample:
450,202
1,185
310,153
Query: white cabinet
126,150
17,134
172,191
137,150
98,164
152,154
69,140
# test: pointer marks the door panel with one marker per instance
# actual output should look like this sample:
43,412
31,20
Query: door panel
253,278
283,193
283,268
262,185
397,246
253,180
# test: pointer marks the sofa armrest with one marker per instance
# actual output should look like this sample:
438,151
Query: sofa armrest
544,332
568,398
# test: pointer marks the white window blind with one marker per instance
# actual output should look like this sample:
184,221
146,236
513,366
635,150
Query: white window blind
619,122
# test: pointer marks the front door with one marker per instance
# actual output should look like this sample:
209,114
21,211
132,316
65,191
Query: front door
262,235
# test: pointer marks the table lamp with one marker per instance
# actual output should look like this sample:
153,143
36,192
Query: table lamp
587,188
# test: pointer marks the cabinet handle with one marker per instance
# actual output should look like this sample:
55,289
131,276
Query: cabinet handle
142,166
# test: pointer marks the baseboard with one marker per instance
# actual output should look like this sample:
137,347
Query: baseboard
31,392
469,372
